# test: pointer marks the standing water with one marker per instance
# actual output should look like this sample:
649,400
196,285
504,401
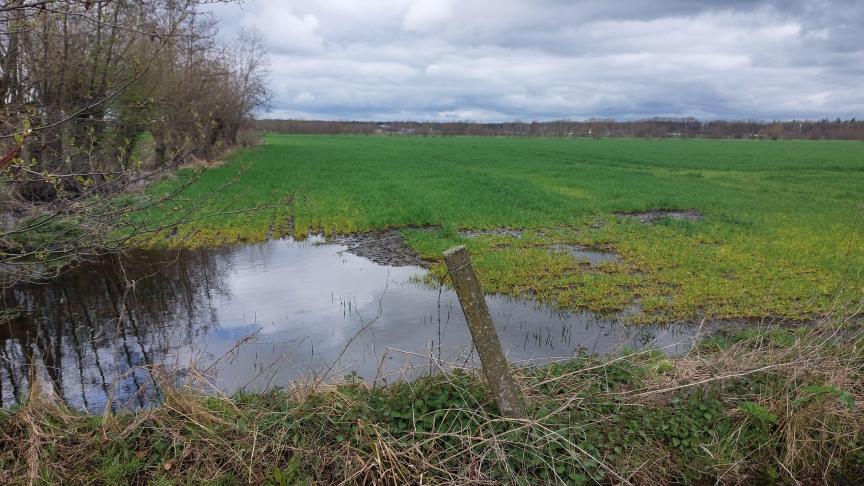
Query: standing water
254,317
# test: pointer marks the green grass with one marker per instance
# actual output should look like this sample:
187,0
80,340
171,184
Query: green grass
782,233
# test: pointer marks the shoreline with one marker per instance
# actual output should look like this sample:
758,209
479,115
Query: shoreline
753,405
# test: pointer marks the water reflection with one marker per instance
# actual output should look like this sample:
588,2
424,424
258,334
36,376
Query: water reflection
88,334
304,308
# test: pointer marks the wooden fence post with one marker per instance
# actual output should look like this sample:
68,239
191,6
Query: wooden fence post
504,387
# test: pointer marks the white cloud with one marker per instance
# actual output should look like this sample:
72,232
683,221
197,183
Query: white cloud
304,98
426,15
283,30
546,59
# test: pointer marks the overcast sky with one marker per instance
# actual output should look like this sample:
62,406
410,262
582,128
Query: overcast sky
498,60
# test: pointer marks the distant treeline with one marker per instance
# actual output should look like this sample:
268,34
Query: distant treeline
652,128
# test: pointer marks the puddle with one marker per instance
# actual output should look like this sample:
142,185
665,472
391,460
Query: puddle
474,233
304,307
592,255
653,215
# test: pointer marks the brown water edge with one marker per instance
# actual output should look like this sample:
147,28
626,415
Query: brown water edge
302,309
388,247
384,247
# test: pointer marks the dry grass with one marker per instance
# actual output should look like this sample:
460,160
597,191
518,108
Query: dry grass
775,405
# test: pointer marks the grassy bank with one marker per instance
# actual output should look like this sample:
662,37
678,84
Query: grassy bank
773,405
782,232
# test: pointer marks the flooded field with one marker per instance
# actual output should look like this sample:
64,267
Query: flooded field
267,315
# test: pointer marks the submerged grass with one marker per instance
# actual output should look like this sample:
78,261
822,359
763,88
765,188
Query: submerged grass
779,405
782,232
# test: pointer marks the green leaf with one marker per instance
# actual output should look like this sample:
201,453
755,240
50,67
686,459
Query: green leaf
578,478
846,399
758,412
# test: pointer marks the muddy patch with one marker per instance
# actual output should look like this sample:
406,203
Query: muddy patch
475,233
386,247
594,256
286,227
653,215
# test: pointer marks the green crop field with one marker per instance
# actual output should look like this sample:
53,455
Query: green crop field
781,233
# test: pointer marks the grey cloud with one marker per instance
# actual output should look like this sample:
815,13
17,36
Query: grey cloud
492,60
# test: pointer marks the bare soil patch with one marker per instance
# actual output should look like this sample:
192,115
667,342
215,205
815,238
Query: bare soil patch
386,247
475,233
652,215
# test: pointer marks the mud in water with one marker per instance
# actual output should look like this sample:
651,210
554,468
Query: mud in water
653,215
594,256
386,247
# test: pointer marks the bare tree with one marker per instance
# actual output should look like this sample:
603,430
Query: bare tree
84,86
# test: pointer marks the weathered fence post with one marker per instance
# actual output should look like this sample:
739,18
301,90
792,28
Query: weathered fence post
504,387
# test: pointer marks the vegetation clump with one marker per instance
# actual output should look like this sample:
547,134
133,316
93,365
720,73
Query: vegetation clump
755,406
